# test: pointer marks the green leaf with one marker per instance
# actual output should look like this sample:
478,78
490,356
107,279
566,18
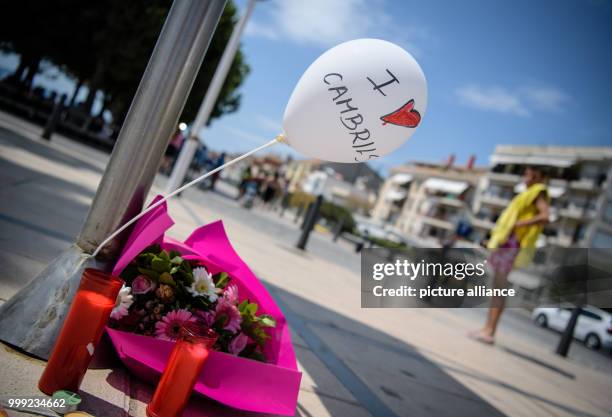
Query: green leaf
167,279
221,321
252,309
160,265
243,306
177,260
184,276
267,321
222,280
149,273
175,269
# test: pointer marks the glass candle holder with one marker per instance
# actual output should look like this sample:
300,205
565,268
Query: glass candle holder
179,377
81,332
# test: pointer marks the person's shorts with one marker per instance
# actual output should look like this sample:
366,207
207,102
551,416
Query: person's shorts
502,259
171,151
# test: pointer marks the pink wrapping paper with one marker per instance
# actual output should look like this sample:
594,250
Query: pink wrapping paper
237,382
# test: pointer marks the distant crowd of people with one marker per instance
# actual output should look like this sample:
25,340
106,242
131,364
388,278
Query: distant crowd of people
258,185
203,160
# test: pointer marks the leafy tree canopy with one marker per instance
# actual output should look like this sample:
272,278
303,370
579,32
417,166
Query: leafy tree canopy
106,46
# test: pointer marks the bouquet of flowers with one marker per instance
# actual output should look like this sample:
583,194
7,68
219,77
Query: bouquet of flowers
164,292
202,282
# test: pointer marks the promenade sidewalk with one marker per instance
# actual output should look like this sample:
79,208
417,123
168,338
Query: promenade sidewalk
356,362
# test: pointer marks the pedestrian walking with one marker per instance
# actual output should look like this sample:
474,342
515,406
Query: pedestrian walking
213,180
513,241
172,151
271,189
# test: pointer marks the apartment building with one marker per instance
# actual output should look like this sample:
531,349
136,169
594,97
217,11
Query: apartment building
579,186
425,201
359,174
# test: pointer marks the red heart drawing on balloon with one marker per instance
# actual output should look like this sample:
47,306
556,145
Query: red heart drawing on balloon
404,116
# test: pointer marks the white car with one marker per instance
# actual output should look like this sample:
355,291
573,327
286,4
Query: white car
594,326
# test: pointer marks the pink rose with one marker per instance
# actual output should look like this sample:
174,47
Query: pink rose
238,344
142,285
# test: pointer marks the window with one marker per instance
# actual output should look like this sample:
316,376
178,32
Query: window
590,314
608,212
602,240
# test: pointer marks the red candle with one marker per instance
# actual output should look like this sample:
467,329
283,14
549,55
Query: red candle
81,332
184,365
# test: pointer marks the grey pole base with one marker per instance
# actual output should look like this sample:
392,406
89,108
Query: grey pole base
32,318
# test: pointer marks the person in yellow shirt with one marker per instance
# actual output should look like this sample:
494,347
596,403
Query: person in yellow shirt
513,241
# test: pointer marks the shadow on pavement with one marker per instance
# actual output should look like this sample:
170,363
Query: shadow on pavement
539,363
14,139
386,376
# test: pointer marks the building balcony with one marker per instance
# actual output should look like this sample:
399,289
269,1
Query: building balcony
482,224
503,178
439,223
451,202
494,200
577,213
560,240
584,184
431,202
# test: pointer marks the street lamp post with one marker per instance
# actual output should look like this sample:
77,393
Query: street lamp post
32,318
190,146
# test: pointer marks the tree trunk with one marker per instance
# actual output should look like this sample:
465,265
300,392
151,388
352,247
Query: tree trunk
75,93
18,74
104,104
94,86
33,66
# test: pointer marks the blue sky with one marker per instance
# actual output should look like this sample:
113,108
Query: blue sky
513,72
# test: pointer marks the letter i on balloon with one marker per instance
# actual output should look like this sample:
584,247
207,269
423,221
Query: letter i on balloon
358,101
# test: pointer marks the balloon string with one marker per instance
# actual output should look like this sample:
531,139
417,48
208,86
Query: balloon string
279,138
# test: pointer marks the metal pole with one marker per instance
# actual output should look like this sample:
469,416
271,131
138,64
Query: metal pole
311,220
568,334
309,210
191,144
151,120
33,317
338,230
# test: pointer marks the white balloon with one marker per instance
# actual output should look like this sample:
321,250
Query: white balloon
358,101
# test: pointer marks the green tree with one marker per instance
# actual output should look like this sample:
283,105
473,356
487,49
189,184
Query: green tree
106,46
229,98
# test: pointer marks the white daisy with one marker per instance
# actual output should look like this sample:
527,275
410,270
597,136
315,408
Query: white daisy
122,304
203,284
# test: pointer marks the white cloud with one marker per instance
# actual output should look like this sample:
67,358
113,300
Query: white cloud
328,22
247,136
271,125
545,98
255,29
523,101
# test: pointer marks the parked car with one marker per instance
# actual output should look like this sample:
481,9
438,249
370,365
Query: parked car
594,326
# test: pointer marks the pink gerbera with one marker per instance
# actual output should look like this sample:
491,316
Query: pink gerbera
169,327
229,312
231,294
